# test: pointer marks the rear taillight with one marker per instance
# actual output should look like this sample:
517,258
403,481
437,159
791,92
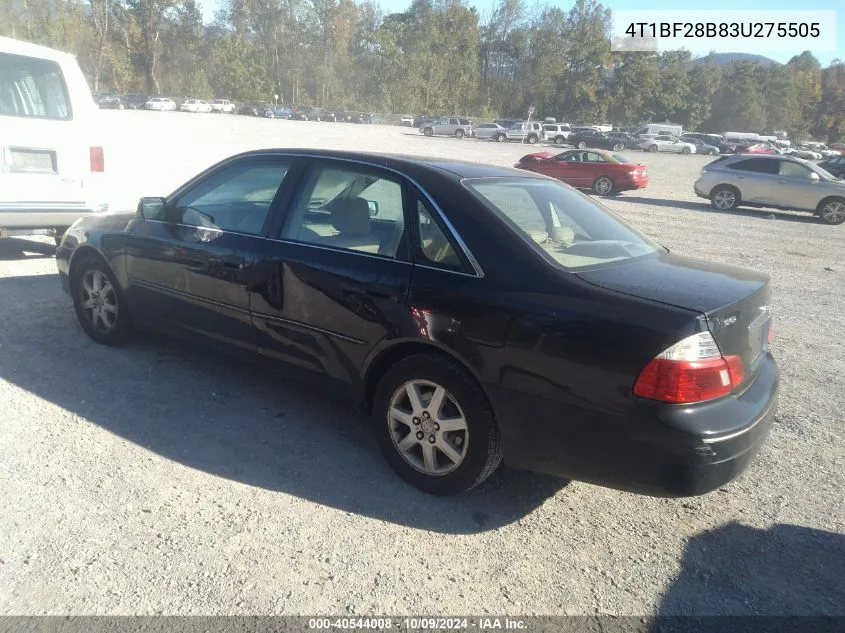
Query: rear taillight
98,160
692,370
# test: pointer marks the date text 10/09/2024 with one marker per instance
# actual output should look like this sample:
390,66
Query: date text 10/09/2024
418,624
723,29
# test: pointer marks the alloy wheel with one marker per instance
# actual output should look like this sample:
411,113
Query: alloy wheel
603,185
724,199
428,427
833,212
98,300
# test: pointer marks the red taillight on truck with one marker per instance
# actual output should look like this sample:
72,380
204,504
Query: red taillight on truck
692,370
98,160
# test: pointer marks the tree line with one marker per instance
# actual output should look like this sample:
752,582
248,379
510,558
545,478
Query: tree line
437,57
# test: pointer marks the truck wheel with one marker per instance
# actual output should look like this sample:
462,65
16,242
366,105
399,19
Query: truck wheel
459,133
532,138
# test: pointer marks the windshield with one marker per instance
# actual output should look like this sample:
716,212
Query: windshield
568,228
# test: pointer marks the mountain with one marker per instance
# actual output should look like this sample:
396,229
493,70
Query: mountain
723,59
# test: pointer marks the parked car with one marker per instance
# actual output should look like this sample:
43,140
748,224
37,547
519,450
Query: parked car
51,158
223,106
603,172
487,130
195,105
355,117
716,140
135,101
700,146
781,182
507,123
253,108
406,120
308,114
422,119
162,104
628,140
556,133
278,112
755,148
530,132
653,129
667,144
835,166
594,138
605,337
108,100
448,126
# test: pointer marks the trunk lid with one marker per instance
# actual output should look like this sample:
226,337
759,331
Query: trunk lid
734,300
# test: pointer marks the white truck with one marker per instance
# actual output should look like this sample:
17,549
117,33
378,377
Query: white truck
51,165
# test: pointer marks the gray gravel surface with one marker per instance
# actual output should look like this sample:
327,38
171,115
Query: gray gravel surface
159,478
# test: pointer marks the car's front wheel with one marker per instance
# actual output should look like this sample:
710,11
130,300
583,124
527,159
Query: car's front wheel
559,140
685,150
459,133
582,145
832,211
428,131
532,138
724,198
603,186
435,426
618,147
99,302
500,138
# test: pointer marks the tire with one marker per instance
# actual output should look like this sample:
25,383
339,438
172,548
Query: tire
724,197
653,148
268,114
108,330
500,138
559,140
582,145
476,447
685,150
714,152
459,133
428,131
532,139
832,211
604,186
618,147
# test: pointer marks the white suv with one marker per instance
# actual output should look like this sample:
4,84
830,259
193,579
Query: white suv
223,105
557,133
50,163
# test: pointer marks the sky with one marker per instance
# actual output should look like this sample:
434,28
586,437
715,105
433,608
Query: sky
485,9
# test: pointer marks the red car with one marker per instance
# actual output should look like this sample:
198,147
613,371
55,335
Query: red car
603,172
755,148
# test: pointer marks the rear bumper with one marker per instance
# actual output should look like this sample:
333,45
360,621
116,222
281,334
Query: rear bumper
18,216
640,182
659,450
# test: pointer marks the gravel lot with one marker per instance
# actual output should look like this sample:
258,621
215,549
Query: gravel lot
159,478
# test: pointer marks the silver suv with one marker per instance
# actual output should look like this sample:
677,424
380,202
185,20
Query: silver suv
781,182
448,126
530,132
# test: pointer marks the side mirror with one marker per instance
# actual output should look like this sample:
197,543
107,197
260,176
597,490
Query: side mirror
152,208
813,177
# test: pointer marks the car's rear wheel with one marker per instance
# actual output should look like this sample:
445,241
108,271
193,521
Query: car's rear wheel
435,426
724,197
99,302
603,185
582,145
559,140
532,138
685,150
832,210
459,133
618,147
428,131
652,148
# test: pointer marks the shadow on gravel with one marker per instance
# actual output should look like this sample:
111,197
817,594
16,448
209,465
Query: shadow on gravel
232,419
704,207
12,248
736,570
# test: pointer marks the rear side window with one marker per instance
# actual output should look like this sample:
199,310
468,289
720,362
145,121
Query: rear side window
757,165
32,87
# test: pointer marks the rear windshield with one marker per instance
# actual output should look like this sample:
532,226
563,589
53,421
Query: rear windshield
568,228
31,87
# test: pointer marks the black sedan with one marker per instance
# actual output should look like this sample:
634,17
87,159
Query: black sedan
595,139
481,313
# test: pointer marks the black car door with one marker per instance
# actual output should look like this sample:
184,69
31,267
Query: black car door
334,281
189,270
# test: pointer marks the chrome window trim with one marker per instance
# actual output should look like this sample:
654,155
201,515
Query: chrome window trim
479,272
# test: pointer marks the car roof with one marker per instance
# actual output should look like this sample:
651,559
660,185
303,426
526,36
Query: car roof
18,47
406,163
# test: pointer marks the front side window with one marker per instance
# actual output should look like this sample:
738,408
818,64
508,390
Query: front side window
236,199
793,170
32,87
568,228
349,208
